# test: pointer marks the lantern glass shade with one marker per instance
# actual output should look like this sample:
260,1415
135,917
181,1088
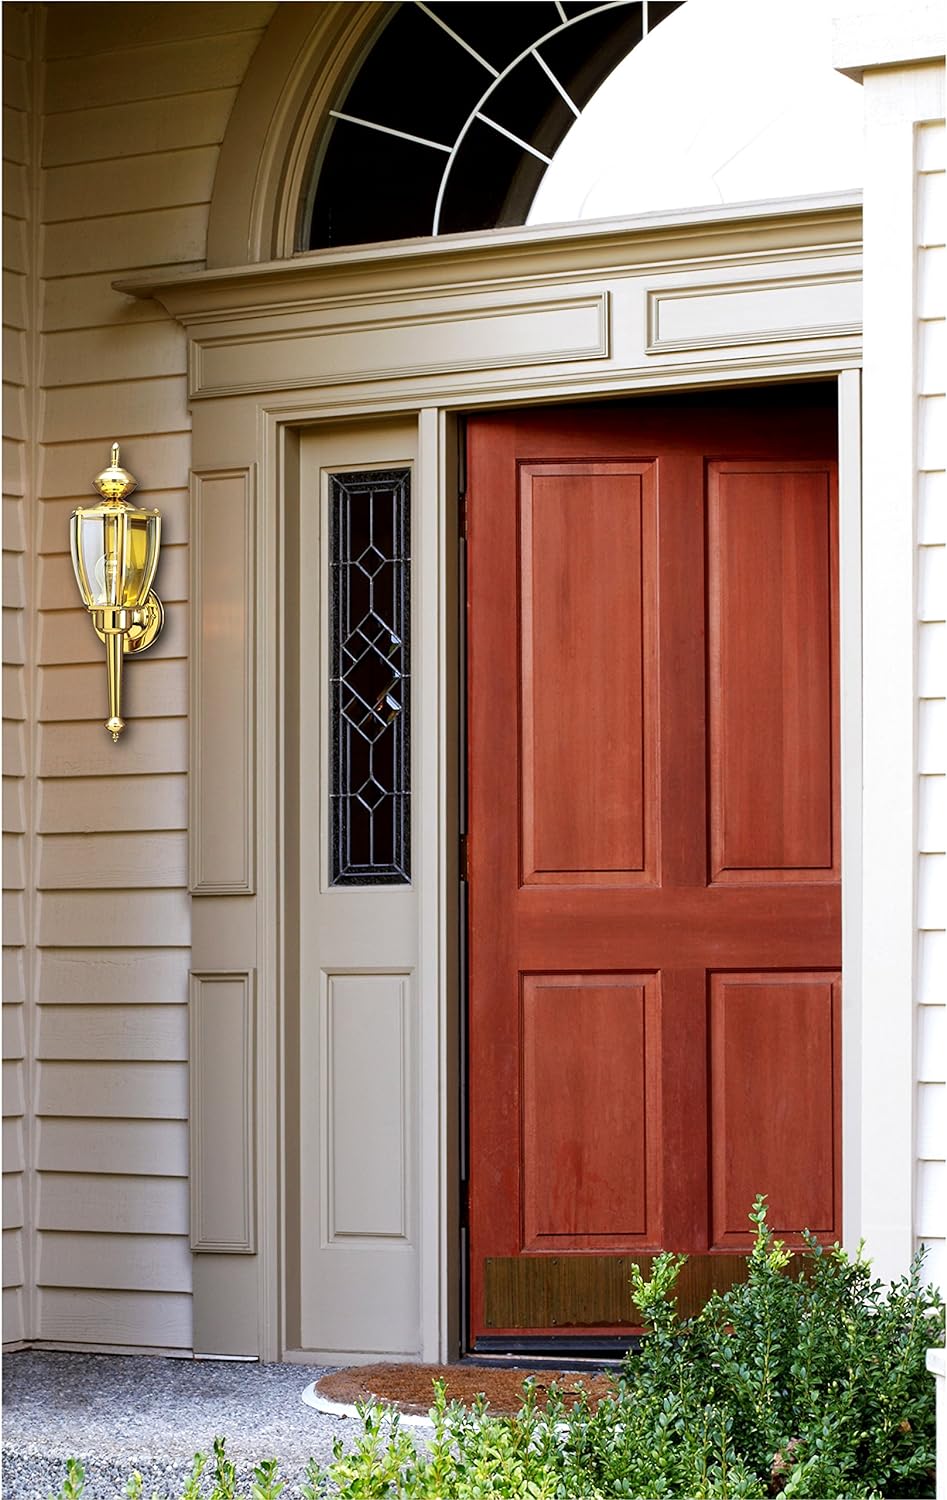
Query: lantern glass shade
115,555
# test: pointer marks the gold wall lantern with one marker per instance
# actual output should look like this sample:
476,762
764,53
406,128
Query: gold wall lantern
115,554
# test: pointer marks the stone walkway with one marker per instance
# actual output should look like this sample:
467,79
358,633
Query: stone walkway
119,1413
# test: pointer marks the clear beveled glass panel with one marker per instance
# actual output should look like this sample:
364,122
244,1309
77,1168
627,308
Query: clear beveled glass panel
115,555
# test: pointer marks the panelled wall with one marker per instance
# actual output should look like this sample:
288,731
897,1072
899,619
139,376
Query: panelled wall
20,36
931,991
127,173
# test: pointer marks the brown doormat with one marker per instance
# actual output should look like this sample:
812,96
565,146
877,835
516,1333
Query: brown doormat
410,1388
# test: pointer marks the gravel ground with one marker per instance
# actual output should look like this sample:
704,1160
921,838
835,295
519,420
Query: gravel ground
118,1413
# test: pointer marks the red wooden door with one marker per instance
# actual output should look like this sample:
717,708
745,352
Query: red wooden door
654,903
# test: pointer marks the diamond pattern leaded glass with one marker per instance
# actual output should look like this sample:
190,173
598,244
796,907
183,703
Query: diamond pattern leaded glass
370,609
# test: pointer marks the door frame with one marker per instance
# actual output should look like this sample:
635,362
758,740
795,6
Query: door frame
428,331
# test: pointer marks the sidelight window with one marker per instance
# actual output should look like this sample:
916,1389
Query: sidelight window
369,781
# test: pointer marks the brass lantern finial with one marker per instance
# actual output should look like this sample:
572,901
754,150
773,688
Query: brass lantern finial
114,483
115,555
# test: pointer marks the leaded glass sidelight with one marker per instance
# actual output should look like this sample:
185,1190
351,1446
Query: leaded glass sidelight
370,611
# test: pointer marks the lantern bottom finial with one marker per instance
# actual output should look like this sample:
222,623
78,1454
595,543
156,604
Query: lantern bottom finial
115,727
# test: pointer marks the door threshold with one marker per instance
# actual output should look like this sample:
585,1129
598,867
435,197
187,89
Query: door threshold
576,1352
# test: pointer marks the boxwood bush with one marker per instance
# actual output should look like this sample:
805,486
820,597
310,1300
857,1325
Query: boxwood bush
807,1380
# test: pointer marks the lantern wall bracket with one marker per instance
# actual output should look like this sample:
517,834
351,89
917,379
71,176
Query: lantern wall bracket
144,630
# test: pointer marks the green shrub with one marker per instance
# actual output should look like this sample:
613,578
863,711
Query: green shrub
807,1380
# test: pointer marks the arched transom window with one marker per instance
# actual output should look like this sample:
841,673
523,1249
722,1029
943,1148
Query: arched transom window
457,110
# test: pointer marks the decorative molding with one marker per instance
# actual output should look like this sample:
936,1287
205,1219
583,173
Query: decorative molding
366,1107
545,331
223,1111
222,706
767,311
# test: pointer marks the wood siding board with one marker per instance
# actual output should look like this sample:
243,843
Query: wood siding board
105,1090
79,1201
14,525
171,68
106,358
112,1033
139,183
152,125
932,1043
90,1317
14,692
13,857
13,1087
126,804
14,1326
932,659
12,1200
12,1259
131,406
72,919
86,750
72,692
141,1148
75,30
14,1044
13,1153
123,242
14,975
160,461
157,976
14,804
112,861
126,1262
16,254
90,302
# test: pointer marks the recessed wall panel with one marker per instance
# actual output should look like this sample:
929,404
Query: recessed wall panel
771,635
775,1099
587,1114
365,1163
587,613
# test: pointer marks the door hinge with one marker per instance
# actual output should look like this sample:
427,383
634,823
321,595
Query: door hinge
462,515
465,857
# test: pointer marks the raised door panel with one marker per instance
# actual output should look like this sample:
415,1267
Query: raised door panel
775,1105
772,633
588,1168
588,672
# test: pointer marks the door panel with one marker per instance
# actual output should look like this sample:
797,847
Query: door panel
586,1173
588,678
773,1059
770,530
654,900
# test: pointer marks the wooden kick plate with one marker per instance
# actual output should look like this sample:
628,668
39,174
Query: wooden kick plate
592,1291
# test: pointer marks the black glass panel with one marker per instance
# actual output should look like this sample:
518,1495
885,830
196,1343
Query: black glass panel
528,103
479,186
583,56
417,79
374,187
499,35
370,608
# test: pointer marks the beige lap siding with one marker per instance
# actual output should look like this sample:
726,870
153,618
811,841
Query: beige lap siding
128,170
19,330
931,1013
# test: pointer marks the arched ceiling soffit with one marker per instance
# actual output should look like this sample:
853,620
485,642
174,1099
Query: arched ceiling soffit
380,122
